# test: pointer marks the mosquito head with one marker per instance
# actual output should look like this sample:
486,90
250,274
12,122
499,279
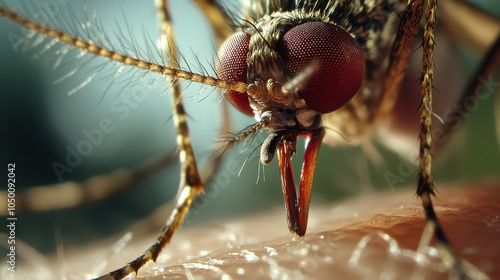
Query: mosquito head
323,62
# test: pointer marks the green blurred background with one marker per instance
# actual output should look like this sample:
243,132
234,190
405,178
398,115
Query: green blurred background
39,121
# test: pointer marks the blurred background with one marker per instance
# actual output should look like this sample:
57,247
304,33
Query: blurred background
40,124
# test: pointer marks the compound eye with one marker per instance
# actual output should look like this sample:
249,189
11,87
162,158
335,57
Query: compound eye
232,67
340,63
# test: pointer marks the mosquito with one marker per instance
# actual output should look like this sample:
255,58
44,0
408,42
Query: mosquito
276,65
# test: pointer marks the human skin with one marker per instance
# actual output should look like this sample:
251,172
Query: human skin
259,247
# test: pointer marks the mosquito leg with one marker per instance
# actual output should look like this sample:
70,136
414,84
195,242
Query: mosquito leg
190,182
69,194
190,177
220,22
425,187
400,53
184,201
217,17
481,78
476,28
189,189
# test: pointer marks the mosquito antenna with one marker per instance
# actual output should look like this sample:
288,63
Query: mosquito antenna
122,58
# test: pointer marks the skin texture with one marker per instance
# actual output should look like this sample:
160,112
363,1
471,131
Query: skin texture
258,247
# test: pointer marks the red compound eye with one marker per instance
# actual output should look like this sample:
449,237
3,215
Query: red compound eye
232,67
341,63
